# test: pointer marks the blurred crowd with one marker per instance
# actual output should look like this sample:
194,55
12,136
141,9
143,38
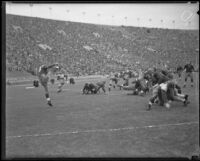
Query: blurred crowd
31,42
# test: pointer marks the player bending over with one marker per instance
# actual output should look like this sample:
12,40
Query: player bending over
101,85
44,78
113,82
169,91
89,88
157,78
139,86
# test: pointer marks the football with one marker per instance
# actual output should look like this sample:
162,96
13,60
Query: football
167,105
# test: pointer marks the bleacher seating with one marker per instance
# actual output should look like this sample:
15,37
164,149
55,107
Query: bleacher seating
87,49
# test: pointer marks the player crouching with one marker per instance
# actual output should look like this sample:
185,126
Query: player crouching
89,88
113,83
71,81
101,85
36,83
94,88
139,87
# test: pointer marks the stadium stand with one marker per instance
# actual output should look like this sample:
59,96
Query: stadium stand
88,49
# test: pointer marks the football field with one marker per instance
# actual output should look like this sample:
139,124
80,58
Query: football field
103,125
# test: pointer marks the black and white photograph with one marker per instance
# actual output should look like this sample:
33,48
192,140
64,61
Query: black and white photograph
101,80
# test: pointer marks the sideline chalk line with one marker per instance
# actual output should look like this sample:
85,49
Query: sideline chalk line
79,90
102,130
78,80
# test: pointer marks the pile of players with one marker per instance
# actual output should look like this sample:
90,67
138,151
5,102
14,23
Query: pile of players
91,88
164,88
161,82
163,85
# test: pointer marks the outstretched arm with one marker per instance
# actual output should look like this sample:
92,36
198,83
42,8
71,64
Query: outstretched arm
51,66
193,70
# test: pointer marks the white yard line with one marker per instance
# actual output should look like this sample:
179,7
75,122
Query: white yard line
102,130
30,87
21,85
75,90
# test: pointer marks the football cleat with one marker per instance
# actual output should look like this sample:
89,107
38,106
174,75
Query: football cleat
186,97
186,102
49,103
59,90
149,107
156,101
167,105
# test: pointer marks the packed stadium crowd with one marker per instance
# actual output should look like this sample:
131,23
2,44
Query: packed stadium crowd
87,49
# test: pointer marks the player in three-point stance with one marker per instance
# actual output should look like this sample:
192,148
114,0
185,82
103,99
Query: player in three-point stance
44,79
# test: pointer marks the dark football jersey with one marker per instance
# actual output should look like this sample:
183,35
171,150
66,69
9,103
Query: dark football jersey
179,68
43,70
159,78
189,68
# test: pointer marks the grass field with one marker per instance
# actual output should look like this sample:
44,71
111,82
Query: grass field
103,125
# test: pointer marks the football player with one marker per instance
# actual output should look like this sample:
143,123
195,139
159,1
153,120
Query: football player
89,88
44,78
189,69
170,91
179,71
158,77
61,77
101,85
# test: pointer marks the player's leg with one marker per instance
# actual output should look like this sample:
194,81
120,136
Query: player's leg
149,86
191,78
186,76
181,97
61,84
98,88
174,95
126,82
153,97
44,82
92,88
160,97
85,88
95,89
129,88
47,95
144,87
103,88
179,75
110,85
165,100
